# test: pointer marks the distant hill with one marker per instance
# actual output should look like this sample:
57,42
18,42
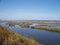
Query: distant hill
30,21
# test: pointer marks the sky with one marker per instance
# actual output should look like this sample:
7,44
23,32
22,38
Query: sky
29,9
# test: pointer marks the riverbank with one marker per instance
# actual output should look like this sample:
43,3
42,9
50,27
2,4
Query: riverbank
22,24
43,26
11,38
46,28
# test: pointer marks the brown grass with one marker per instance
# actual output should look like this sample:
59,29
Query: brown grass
25,24
47,28
11,38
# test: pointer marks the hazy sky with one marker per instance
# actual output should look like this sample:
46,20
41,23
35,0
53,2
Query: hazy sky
30,9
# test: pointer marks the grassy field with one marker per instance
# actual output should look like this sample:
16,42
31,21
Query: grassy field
22,24
47,28
41,26
11,38
25,24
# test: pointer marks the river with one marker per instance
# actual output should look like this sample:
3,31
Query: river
42,36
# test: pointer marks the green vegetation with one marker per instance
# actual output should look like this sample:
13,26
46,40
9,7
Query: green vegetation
47,28
11,38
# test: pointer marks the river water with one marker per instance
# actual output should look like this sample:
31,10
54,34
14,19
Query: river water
42,36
